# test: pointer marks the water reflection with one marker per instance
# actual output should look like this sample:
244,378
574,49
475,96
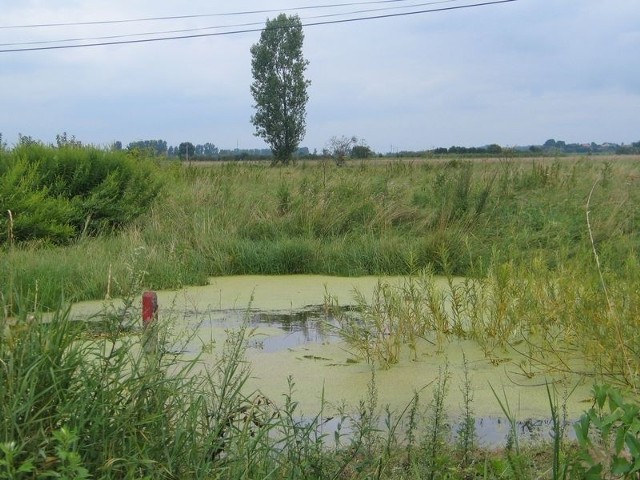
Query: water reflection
310,324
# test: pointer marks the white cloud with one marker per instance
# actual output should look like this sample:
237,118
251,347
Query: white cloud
513,73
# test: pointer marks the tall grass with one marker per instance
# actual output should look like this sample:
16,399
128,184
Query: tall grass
555,320
516,229
78,402
361,219
84,400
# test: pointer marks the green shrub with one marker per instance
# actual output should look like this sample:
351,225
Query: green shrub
57,194
608,437
32,211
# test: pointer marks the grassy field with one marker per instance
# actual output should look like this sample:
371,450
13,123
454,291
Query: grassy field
391,217
549,247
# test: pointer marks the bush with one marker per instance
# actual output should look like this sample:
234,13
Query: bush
57,194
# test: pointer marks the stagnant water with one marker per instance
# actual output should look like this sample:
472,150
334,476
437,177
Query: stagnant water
294,339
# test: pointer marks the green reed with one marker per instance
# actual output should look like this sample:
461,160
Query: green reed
83,400
555,320
382,219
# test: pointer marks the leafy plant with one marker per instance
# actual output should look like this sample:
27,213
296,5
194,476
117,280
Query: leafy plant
438,428
609,437
67,461
467,437
11,467
57,194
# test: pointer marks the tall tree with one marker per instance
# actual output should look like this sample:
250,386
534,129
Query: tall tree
186,151
279,87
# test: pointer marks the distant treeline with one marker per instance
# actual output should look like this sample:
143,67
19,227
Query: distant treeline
210,152
550,147
200,152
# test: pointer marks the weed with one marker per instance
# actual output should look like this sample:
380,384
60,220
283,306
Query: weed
227,219
466,431
412,426
437,428
284,199
609,438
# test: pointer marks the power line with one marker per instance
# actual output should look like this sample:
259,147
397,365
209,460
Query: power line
203,15
250,30
391,15
218,27
128,35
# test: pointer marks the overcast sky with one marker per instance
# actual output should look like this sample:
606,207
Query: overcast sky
515,73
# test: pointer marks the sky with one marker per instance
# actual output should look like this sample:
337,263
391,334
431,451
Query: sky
511,73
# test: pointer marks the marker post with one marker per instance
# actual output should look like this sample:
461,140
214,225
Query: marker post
149,322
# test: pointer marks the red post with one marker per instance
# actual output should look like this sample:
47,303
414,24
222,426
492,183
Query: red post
149,316
149,308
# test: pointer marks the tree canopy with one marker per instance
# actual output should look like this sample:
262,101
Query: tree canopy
186,150
279,87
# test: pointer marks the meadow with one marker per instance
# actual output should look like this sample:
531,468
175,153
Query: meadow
454,216
548,248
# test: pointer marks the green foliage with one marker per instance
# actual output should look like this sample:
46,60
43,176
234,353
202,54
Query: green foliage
609,437
69,462
438,430
374,218
149,147
547,317
395,316
75,403
186,150
279,87
467,439
82,400
57,194
63,140
517,230
361,151
284,199
34,212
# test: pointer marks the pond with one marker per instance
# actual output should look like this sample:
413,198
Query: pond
294,338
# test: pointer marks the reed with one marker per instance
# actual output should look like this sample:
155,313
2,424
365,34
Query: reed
83,400
467,440
553,320
438,429
515,230
382,219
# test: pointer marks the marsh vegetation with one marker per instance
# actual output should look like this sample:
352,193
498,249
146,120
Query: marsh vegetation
541,256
